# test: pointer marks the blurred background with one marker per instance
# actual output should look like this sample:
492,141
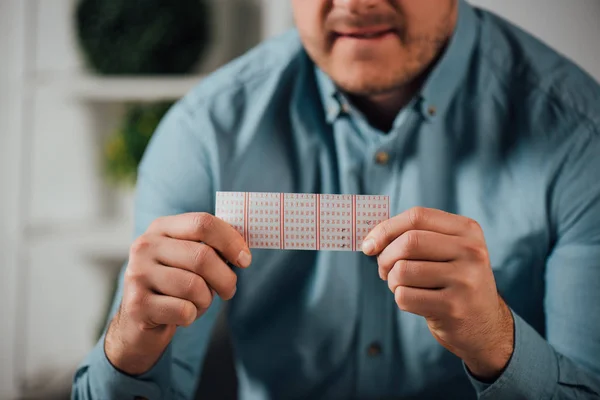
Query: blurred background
82,86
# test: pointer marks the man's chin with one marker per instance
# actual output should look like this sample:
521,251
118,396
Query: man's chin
374,79
365,86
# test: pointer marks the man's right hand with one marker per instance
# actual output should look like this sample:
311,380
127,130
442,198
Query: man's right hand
174,270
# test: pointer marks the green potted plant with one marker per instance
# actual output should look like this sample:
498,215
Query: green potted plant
142,37
126,145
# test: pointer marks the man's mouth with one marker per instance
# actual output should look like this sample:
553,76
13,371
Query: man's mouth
364,34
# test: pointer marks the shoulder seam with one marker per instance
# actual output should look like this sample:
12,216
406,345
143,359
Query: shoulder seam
553,98
201,98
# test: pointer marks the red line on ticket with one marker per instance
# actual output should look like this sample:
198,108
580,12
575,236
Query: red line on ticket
317,220
246,216
353,223
302,221
281,222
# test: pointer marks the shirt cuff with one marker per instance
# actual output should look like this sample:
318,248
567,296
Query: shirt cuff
531,373
104,381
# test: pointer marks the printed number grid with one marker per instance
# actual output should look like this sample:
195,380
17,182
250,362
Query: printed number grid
370,211
301,221
263,220
230,208
336,222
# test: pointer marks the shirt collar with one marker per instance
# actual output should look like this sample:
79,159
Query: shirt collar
443,80
329,95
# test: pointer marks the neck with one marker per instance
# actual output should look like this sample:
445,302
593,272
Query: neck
381,109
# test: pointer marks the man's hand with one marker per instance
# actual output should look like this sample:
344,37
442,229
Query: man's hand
175,268
437,266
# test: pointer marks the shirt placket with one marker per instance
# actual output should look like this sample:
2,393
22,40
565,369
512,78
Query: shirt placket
375,339
365,167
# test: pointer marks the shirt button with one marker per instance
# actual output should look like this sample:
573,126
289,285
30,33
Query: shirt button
382,158
374,349
431,110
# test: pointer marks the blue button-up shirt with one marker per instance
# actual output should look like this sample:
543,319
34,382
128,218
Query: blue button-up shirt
504,131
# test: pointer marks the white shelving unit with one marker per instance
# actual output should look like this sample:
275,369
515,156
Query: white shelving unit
65,233
96,239
92,88
104,238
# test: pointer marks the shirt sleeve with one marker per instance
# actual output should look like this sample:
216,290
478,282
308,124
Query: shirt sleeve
566,363
176,176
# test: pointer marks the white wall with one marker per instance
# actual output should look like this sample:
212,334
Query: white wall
570,26
277,17
11,91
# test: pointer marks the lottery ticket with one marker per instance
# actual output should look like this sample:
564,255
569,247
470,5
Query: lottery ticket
302,221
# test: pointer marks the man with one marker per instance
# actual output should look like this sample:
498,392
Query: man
484,283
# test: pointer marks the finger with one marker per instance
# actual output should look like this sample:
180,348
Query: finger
168,310
182,284
421,274
203,227
200,259
420,245
418,218
424,302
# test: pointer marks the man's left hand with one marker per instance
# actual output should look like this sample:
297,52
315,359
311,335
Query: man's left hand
437,266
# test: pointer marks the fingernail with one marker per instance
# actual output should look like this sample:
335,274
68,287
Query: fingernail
368,246
244,259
